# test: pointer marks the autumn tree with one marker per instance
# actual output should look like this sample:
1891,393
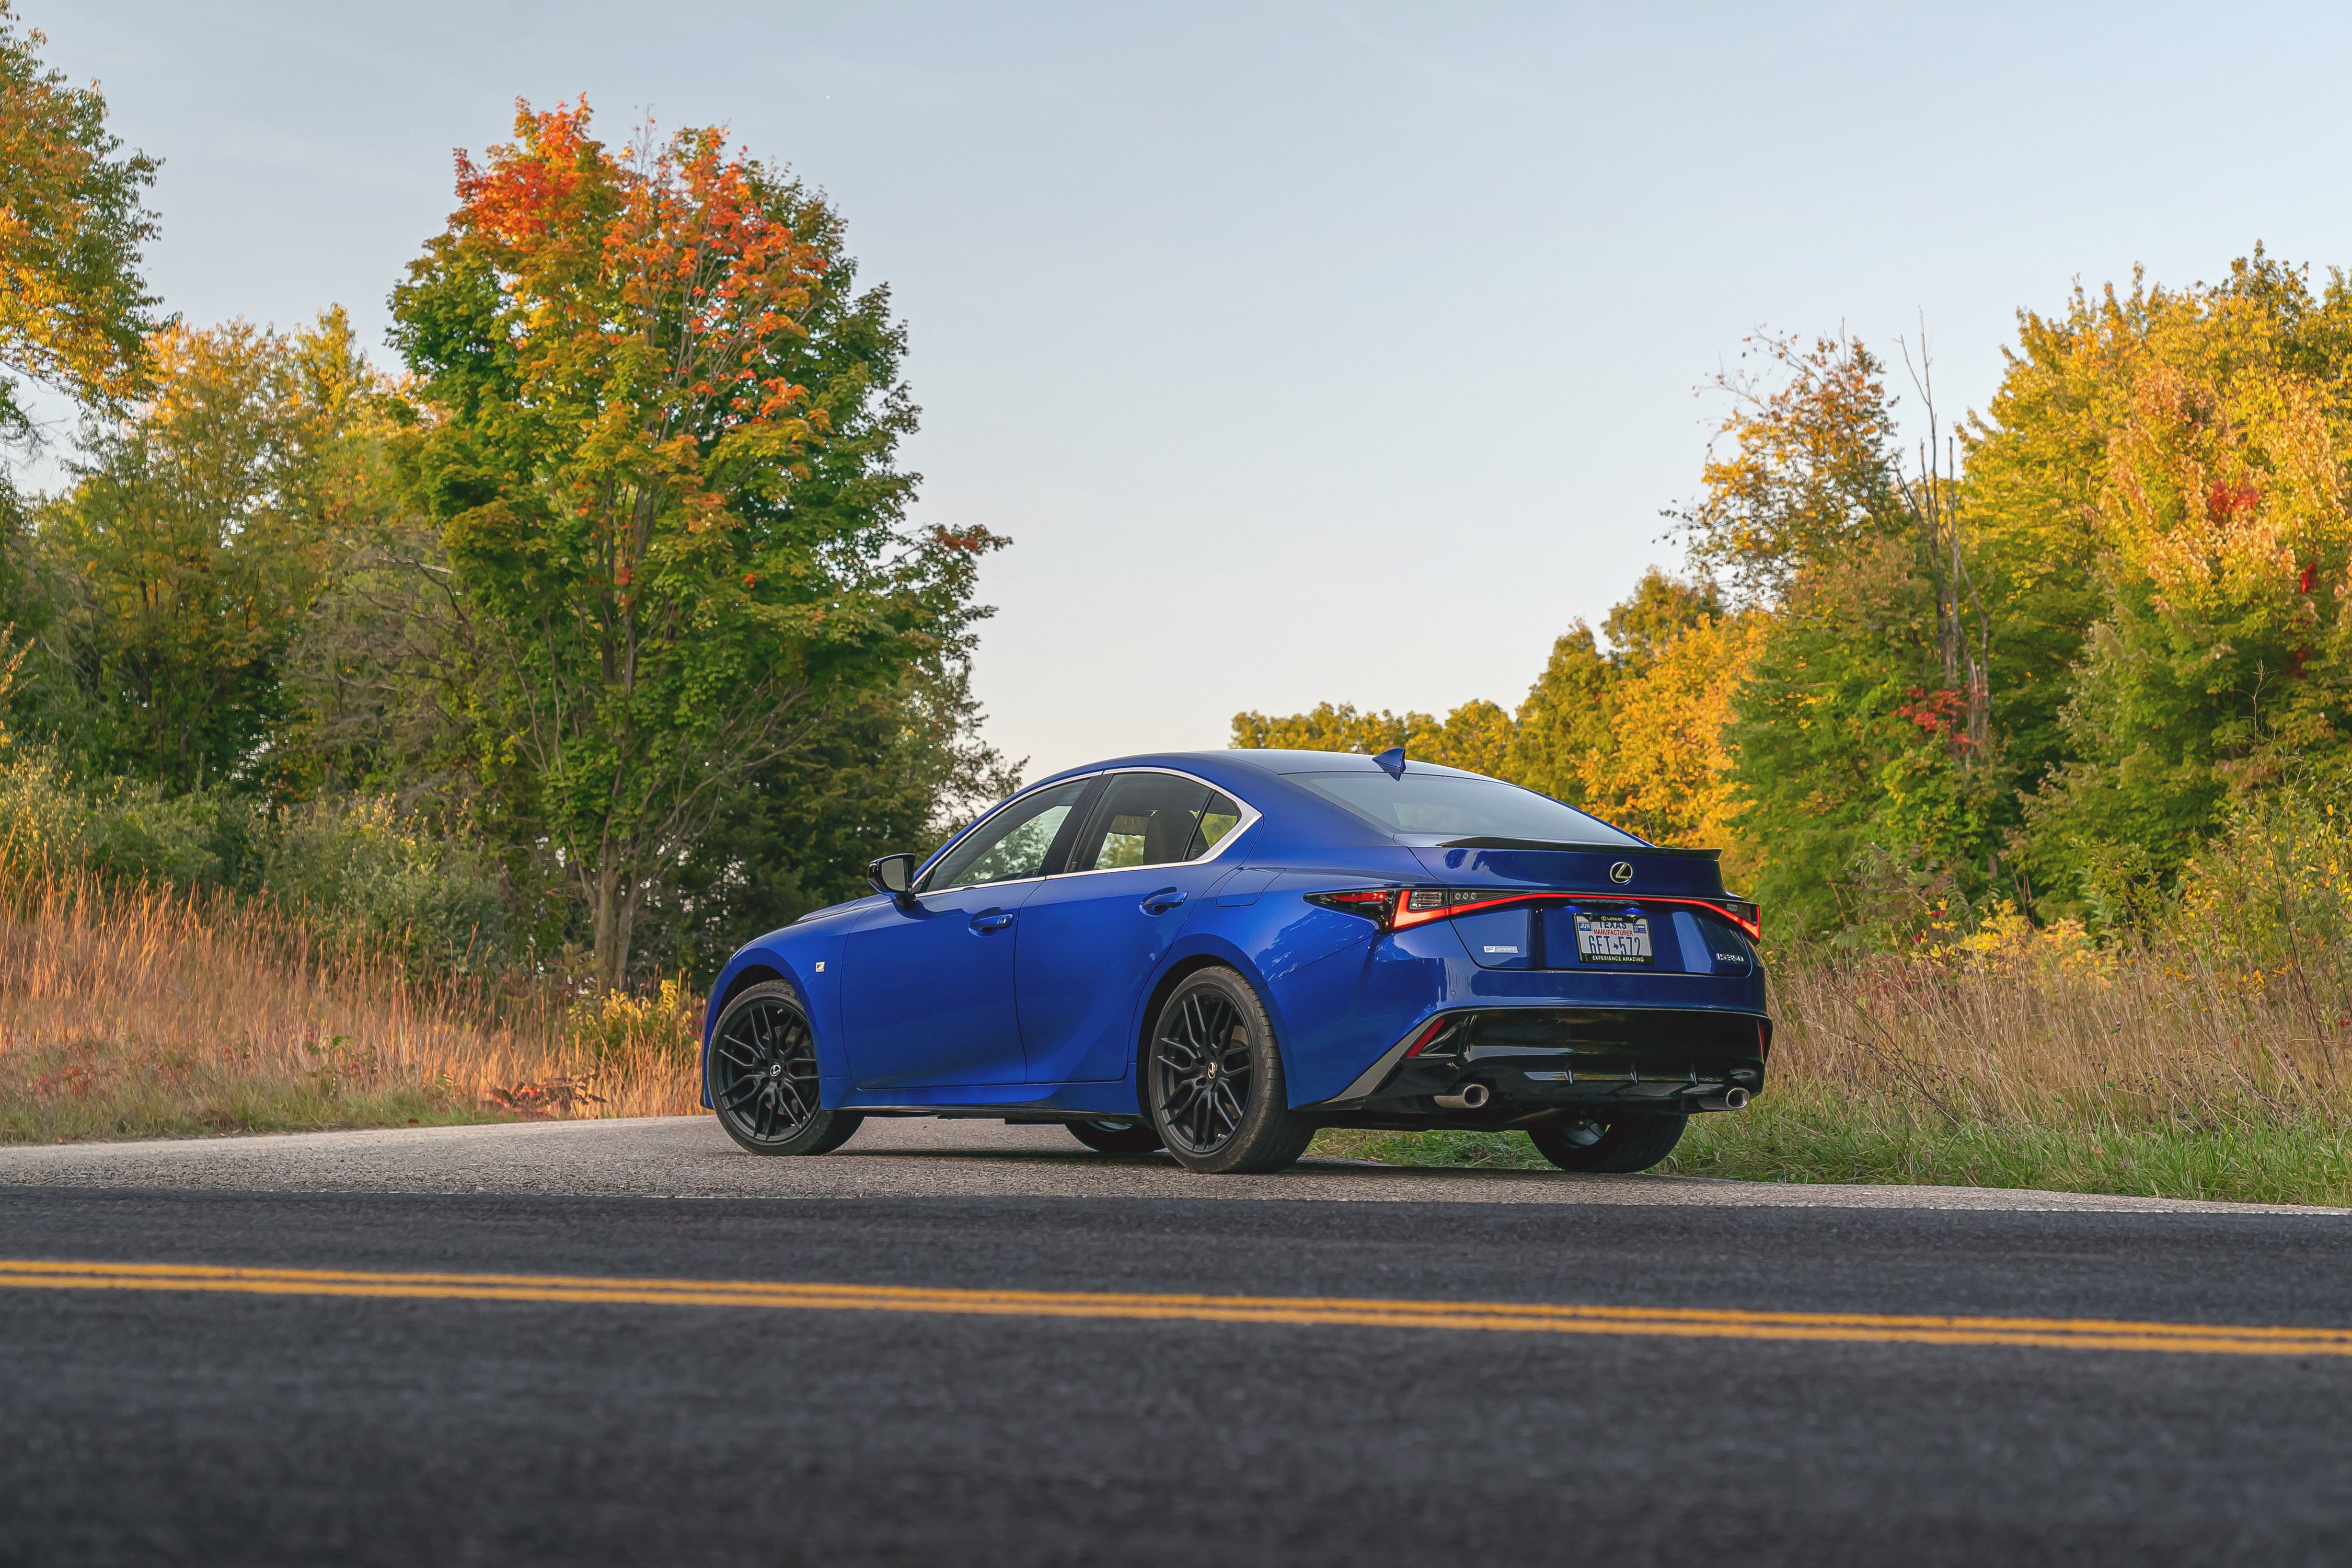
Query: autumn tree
608,346
1634,732
74,309
2211,657
1861,740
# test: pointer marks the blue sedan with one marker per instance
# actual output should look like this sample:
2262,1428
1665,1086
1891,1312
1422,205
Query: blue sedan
1218,952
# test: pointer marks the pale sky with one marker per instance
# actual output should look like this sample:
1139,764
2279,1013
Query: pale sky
1310,350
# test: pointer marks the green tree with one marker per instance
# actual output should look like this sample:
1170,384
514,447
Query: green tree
74,309
1863,754
186,551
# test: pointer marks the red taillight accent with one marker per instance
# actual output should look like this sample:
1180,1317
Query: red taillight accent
1419,906
1400,908
1375,904
1437,1027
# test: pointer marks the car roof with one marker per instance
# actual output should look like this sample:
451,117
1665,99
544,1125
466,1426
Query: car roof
1211,764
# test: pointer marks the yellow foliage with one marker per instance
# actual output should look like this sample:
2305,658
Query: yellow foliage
621,1031
1635,736
2006,939
1665,772
2222,487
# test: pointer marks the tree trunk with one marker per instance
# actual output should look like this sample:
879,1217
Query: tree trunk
613,907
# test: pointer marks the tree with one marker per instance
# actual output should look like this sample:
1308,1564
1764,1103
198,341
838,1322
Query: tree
1569,726
1665,772
608,348
185,554
897,768
1861,749
74,311
2224,543
1476,736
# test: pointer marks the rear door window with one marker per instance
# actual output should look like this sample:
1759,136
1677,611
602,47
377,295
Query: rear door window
1143,819
1221,817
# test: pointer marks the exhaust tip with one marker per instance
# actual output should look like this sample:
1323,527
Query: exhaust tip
1735,1098
1470,1097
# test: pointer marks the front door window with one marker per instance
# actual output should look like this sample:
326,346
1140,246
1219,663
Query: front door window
1010,845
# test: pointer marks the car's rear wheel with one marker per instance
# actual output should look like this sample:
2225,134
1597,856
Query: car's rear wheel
1213,1080
1615,1144
763,1077
1115,1137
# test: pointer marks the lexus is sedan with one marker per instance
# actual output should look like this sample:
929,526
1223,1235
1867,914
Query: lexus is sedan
1218,952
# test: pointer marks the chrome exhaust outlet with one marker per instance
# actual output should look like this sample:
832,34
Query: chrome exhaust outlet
1732,1098
1472,1096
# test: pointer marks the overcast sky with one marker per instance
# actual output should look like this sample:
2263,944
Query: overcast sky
1312,351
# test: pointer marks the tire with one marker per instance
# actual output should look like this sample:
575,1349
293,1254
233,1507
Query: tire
763,1077
1623,1144
1210,1034
1115,1137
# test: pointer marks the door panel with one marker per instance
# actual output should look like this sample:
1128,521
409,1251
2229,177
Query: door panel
1091,938
927,992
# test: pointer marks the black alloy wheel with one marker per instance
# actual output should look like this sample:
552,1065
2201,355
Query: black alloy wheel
1115,1137
1616,1145
1213,1080
763,1077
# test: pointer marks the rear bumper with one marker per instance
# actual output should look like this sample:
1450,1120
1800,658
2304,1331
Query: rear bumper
1537,1062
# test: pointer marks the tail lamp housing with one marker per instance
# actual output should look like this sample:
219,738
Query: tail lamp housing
1402,908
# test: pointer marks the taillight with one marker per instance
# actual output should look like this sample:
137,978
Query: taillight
1747,915
1400,908
1377,905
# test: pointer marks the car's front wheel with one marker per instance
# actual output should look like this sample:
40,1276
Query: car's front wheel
1213,1080
763,1077
1115,1137
1618,1145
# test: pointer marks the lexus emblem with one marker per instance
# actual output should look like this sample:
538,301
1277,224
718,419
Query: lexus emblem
1621,872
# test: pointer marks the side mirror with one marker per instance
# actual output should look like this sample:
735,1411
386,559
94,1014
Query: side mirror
894,875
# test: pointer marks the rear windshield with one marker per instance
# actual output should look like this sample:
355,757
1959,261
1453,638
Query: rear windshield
1444,805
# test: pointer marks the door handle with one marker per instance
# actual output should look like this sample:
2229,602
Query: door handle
990,920
1161,902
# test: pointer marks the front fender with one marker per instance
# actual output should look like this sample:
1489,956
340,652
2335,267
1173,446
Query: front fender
809,961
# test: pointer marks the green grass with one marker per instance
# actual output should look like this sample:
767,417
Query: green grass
203,1105
1812,1135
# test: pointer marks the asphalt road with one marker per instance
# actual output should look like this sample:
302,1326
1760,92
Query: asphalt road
920,1415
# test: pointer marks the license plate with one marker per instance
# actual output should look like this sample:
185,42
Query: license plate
1608,939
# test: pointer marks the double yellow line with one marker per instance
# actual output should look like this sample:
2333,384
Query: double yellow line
1506,1317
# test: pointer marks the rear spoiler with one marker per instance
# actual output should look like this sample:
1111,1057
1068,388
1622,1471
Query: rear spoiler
1587,849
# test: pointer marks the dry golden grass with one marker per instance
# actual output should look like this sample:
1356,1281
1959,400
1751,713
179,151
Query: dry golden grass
2027,1057
2020,1027
2012,1057
145,1012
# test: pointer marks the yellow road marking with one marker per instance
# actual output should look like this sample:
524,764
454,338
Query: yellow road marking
1509,1317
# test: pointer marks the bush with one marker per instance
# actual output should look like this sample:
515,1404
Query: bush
356,869
43,818
364,867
